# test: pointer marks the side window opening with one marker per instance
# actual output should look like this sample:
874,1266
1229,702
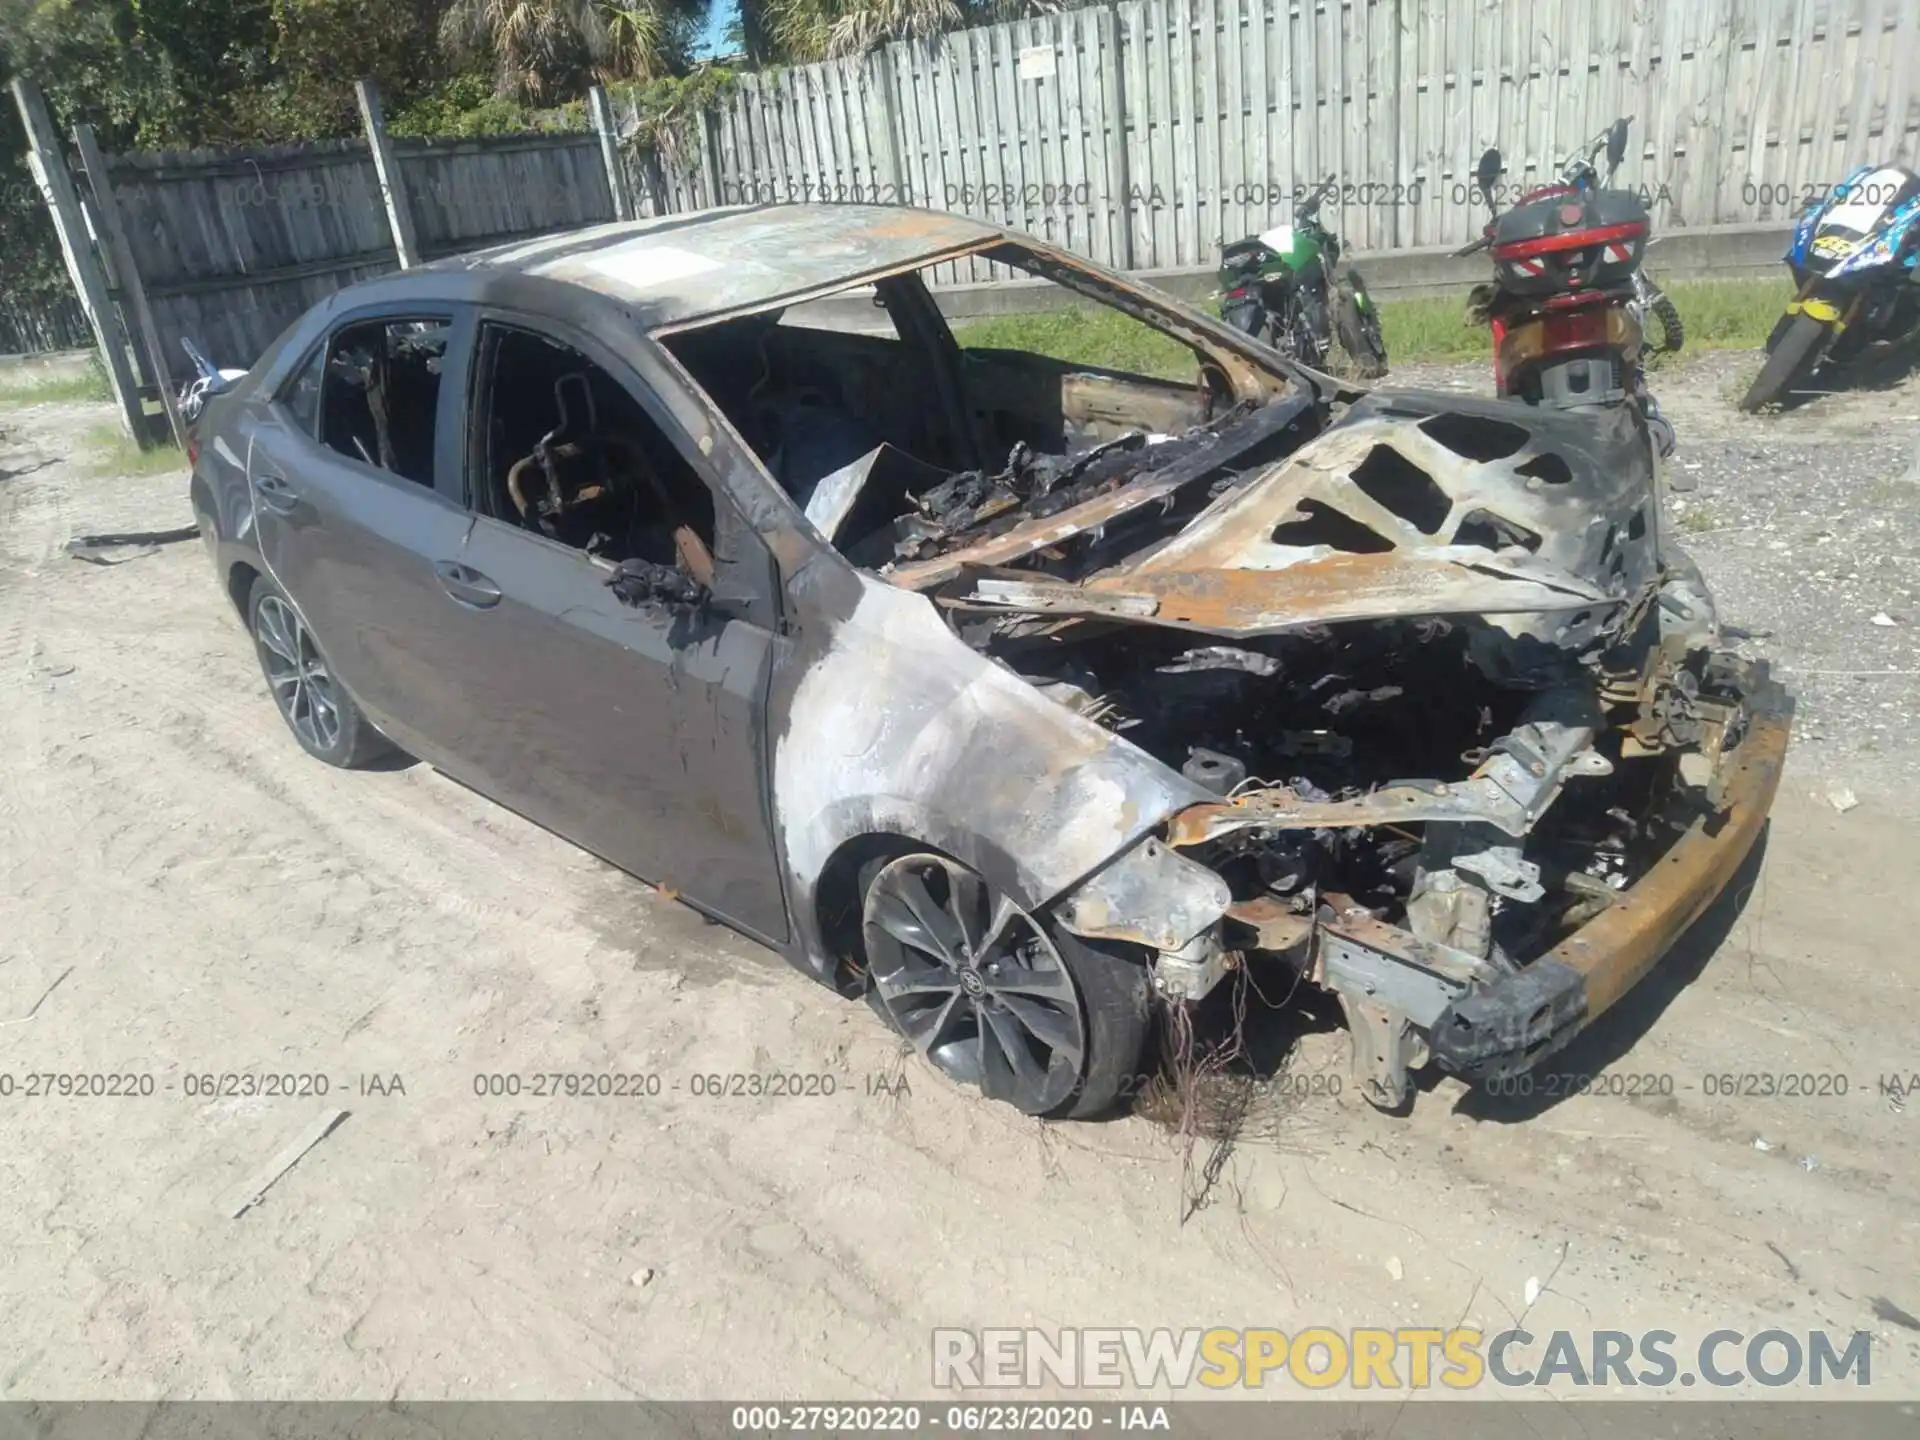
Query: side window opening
571,455
381,393
814,388
891,433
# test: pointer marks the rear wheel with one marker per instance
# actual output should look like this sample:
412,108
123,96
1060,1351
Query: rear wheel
1796,350
997,998
316,707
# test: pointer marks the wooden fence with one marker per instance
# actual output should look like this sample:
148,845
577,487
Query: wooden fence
33,327
1141,134
1144,134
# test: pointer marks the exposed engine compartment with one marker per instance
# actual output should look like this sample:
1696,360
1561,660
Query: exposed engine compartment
1453,696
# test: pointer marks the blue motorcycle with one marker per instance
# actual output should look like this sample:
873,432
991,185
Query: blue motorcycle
1852,256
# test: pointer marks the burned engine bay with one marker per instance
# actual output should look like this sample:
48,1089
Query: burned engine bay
1452,694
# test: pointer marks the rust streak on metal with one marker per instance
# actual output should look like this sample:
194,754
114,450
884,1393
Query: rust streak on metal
1336,587
1275,925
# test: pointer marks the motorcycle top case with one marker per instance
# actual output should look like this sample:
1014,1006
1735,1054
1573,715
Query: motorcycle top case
1580,241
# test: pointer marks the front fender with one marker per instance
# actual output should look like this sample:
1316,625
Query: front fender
896,726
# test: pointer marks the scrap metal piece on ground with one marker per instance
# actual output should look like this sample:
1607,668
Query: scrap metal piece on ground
95,549
254,1190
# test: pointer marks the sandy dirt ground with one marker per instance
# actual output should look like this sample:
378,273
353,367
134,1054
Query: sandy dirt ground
182,893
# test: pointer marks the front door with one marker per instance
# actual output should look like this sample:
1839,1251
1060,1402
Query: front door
634,727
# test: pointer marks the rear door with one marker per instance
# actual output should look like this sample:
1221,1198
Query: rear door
355,476
635,729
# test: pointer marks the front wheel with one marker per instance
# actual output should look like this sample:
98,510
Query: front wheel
1357,323
1313,333
1672,333
1794,354
996,998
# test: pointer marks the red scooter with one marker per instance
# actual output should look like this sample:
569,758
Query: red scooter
1566,306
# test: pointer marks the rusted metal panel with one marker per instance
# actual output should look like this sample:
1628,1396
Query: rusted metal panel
724,261
1276,926
1617,947
1316,592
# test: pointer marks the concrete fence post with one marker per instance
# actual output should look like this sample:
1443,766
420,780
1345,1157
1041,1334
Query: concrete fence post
393,184
603,126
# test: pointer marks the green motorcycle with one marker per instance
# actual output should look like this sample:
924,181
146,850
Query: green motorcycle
1282,287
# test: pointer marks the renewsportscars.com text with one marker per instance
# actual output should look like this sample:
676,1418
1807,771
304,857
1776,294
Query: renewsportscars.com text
1321,1358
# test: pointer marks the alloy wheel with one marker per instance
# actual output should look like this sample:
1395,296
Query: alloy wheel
974,982
302,685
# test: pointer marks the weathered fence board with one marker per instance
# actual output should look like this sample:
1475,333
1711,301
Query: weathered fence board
471,194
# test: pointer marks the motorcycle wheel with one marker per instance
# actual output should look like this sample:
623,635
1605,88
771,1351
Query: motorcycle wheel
1358,328
1313,334
1673,333
1795,353
1248,319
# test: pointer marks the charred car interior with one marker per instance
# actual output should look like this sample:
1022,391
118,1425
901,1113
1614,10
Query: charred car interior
1452,696
569,454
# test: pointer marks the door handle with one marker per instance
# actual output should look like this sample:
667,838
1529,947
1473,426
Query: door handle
466,585
275,492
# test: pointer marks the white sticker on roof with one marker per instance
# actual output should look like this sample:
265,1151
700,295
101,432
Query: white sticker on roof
643,267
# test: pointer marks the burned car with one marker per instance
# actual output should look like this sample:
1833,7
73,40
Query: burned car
1024,697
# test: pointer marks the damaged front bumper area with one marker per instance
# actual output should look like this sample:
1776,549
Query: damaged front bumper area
1436,986
1505,1027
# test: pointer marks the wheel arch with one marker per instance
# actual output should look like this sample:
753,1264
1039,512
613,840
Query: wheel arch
240,581
834,901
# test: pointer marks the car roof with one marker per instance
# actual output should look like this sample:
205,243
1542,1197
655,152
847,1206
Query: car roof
702,263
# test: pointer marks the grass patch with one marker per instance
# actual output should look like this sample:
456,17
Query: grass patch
1719,315
1698,520
1432,327
30,384
1730,314
1083,336
110,452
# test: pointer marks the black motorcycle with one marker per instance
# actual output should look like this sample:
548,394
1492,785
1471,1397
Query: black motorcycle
1283,287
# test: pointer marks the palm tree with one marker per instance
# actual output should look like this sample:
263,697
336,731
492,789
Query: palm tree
544,50
797,31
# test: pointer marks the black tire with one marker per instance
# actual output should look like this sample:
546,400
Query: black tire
1673,332
316,707
1110,996
1358,327
1792,359
1247,319
1314,335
